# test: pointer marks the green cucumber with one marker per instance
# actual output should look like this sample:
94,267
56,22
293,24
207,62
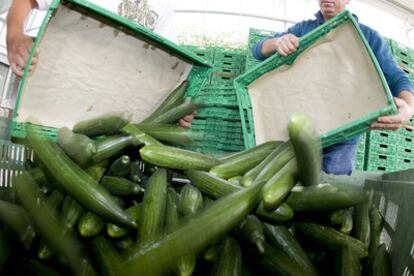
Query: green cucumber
236,180
244,162
17,219
153,213
126,243
332,239
211,253
270,165
307,147
279,236
344,219
139,137
380,265
119,186
178,112
90,225
49,226
324,198
362,229
79,147
191,200
251,231
115,231
207,227
112,146
216,187
263,150
135,174
229,259
375,219
71,212
171,134
279,185
98,170
120,167
34,267
173,99
176,158
107,257
38,175
276,261
78,183
348,263
106,124
184,265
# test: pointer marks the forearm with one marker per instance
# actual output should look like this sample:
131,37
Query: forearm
16,17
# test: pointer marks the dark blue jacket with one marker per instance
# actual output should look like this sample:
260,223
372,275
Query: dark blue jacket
397,80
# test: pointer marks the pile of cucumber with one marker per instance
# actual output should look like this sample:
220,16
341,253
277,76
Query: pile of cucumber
116,198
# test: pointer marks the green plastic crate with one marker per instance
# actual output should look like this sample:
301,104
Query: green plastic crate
382,136
226,58
380,162
254,36
337,135
229,114
203,52
211,91
132,61
405,142
382,148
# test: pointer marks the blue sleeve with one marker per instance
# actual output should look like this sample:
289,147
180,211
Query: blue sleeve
257,48
396,78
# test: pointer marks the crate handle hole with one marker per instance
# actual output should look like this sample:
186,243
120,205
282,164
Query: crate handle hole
383,157
381,168
383,146
384,134
408,140
407,161
407,150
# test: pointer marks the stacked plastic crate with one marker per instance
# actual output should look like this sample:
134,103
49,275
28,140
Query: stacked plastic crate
219,122
254,36
360,153
381,150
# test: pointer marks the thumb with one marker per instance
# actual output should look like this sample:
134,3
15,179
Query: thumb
399,102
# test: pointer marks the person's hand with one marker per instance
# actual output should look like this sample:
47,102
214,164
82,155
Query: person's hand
287,44
187,120
18,49
394,122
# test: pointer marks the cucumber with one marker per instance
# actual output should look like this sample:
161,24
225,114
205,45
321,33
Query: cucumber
251,231
53,201
175,158
380,265
236,180
34,267
120,167
38,175
332,239
270,165
115,231
279,236
229,259
171,134
362,229
263,150
77,146
119,186
244,162
154,203
344,219
221,216
107,257
276,261
106,124
324,198
191,200
126,243
112,146
78,183
98,170
175,98
184,265
279,185
348,263
375,219
139,137
178,112
90,225
17,219
71,212
49,226
307,147
135,174
216,187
